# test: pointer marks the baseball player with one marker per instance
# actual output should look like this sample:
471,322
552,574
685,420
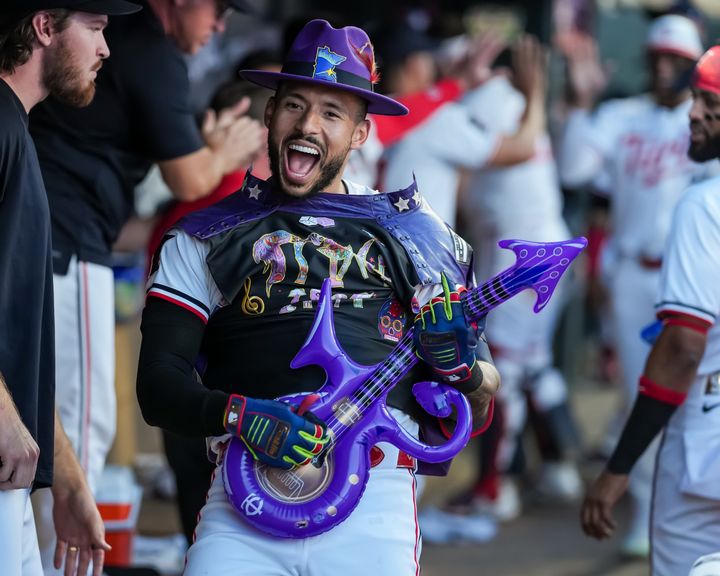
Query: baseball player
637,148
245,298
522,201
46,47
679,389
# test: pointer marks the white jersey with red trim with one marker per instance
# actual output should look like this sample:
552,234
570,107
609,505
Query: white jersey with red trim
638,151
690,279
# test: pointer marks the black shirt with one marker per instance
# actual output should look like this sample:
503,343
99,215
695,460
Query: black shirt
279,266
92,158
27,359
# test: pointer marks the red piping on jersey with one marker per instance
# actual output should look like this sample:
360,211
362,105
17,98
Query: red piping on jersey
671,317
417,524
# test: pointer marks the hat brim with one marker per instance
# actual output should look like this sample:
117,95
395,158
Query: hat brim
108,7
674,50
377,103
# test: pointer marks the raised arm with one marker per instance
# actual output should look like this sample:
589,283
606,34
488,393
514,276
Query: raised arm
580,157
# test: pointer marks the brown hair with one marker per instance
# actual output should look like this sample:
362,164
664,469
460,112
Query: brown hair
17,38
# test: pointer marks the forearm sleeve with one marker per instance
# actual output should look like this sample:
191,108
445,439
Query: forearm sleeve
648,417
169,393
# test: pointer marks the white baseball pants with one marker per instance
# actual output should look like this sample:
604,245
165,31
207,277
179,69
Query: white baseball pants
84,379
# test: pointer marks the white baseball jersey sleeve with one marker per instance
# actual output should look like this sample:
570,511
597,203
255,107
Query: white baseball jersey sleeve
690,279
521,199
183,277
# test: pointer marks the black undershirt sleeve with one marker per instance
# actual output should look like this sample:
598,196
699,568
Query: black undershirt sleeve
169,393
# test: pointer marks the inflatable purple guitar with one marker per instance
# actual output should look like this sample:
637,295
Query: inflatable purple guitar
311,499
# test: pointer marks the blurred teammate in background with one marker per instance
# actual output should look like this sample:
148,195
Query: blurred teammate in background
637,148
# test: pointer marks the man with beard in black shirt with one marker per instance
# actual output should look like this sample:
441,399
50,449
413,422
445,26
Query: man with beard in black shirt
92,159
46,47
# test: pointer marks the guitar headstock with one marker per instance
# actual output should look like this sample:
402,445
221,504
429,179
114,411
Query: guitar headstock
545,262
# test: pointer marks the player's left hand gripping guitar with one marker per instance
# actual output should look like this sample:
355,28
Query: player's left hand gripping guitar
274,432
309,499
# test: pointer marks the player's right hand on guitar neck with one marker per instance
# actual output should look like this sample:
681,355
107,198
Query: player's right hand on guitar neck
273,432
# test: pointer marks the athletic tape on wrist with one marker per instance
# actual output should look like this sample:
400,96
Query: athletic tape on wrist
234,412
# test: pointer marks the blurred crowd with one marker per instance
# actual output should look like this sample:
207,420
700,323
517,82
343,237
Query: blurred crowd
510,135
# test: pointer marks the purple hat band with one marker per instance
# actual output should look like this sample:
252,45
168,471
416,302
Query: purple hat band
325,55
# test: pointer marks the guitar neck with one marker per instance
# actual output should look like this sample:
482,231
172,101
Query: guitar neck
390,372
479,301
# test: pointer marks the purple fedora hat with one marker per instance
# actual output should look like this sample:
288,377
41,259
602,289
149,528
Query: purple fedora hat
325,55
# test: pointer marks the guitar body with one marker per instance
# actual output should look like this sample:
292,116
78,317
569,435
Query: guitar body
311,499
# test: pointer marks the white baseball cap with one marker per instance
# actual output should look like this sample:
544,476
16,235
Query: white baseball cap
676,34
708,565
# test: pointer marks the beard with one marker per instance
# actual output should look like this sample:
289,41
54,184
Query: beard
62,77
328,171
708,150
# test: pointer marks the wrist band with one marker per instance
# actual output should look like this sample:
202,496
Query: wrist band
462,378
234,413
648,388
650,414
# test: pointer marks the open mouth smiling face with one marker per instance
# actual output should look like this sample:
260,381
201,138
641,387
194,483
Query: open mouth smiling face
301,163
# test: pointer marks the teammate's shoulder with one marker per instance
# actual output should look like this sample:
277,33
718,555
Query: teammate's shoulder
11,120
705,192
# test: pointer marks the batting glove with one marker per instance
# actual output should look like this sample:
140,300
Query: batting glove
273,432
445,339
